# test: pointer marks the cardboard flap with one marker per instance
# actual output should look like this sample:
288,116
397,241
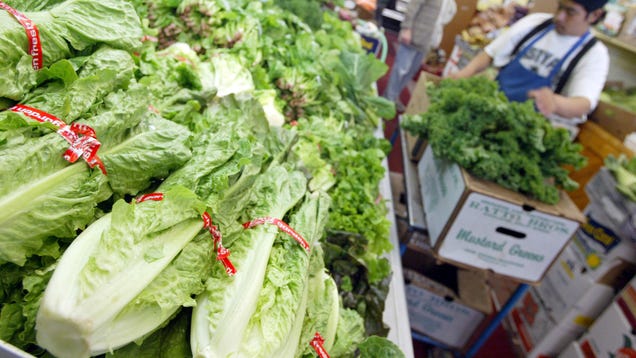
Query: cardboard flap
473,287
423,282
564,208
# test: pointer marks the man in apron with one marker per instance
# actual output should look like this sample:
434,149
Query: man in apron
553,60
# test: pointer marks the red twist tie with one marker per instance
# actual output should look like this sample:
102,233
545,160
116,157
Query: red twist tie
207,220
222,254
317,344
86,145
82,138
153,109
38,115
150,196
281,226
145,38
32,32
83,129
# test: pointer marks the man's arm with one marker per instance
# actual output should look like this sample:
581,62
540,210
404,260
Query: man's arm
475,66
549,103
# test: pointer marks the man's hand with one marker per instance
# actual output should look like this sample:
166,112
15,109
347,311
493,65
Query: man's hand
545,100
405,36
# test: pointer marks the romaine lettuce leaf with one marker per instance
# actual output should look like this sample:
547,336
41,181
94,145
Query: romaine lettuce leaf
65,30
286,279
222,313
111,285
44,198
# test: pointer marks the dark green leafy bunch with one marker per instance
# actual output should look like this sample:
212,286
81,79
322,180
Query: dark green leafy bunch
471,122
310,11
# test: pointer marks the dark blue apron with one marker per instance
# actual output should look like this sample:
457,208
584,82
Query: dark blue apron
516,81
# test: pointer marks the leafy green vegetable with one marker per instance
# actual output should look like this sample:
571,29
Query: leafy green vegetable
309,11
623,97
66,30
168,342
222,313
44,199
379,347
21,288
125,275
624,171
286,280
470,122
234,78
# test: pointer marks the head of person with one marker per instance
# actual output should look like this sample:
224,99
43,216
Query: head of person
574,17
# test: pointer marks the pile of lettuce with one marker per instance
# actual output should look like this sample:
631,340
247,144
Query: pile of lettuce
239,111
66,29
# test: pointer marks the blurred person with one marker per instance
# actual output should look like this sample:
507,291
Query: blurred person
416,38
552,59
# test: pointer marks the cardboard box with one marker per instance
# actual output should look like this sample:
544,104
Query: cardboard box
597,143
530,321
572,277
479,224
611,334
616,120
442,314
572,351
611,211
543,336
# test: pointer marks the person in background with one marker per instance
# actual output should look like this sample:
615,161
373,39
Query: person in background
552,59
416,34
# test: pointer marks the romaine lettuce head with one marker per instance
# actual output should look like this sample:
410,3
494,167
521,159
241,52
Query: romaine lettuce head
65,30
223,311
43,198
124,276
286,280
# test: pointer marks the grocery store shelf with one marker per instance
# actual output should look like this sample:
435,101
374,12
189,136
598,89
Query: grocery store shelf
414,206
614,41
395,308
9,351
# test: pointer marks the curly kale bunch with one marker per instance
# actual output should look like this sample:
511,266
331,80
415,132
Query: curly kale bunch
471,122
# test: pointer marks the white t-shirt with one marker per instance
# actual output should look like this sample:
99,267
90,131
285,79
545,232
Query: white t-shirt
587,78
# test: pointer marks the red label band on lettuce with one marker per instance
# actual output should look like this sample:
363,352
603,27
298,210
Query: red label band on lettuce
318,345
32,32
150,196
80,136
222,254
282,226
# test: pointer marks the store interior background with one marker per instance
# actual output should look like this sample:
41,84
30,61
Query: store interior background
597,144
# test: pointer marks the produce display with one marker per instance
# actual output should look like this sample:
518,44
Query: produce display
489,21
191,178
624,171
472,123
623,97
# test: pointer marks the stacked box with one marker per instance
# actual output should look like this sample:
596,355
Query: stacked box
478,224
